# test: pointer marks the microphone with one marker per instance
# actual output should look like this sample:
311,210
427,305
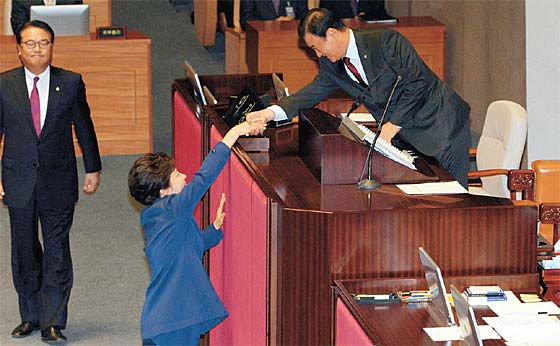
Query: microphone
360,99
369,183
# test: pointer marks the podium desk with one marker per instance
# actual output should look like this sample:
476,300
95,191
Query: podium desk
117,74
99,13
287,237
274,46
401,323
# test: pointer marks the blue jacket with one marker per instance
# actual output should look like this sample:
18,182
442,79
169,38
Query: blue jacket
180,293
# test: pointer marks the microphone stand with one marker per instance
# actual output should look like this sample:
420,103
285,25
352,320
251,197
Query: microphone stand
369,183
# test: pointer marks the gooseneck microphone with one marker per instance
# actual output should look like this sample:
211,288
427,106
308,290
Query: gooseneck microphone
369,183
358,102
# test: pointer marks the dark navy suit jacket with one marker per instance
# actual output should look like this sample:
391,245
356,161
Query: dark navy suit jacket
46,163
264,10
430,113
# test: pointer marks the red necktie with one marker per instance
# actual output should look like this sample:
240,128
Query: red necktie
354,71
36,106
354,5
276,4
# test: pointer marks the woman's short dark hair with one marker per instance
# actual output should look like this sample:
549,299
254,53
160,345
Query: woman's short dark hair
35,24
318,21
148,175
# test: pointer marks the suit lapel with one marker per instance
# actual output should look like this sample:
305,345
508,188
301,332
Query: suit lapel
369,49
21,94
56,85
370,53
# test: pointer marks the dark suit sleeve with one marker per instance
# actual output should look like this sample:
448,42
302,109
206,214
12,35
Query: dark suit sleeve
85,130
321,87
417,82
300,8
246,12
20,14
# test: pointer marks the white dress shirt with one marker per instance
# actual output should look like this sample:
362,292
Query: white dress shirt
42,88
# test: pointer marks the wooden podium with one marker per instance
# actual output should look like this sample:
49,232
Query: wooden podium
275,272
335,159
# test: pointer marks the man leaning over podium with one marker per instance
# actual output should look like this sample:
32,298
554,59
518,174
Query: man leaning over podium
424,111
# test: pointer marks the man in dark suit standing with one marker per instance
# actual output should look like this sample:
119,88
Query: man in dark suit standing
21,8
271,10
425,112
39,105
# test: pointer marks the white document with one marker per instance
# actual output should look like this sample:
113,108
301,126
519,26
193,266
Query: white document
438,188
525,309
360,117
454,333
527,329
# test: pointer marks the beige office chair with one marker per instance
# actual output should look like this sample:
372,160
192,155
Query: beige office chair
500,148
7,25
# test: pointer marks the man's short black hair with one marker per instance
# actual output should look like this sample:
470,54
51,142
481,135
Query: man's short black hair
36,24
318,21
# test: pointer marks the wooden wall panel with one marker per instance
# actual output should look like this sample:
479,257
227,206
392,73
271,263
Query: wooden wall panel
117,74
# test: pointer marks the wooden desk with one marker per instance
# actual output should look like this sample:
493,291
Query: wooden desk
99,13
400,323
288,237
117,74
273,46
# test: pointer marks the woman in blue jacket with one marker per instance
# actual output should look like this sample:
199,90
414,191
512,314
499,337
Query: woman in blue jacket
181,303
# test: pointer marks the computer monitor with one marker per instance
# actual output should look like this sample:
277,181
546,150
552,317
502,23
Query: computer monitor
65,20
467,321
279,86
192,76
444,315
209,96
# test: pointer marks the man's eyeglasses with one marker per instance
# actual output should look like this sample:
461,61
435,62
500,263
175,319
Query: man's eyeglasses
32,44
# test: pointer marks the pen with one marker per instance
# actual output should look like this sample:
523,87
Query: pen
542,313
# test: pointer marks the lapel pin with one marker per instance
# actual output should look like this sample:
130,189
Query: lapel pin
57,88
365,56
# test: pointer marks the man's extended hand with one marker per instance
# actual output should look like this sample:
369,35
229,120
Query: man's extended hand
91,182
388,131
259,117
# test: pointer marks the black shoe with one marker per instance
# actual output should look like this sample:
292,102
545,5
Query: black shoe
52,335
24,329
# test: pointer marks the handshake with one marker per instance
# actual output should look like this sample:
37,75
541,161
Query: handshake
257,121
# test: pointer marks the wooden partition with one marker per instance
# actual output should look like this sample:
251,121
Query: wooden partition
205,20
117,74
99,13
274,46
299,235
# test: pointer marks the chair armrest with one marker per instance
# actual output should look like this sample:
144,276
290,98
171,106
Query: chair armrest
549,213
545,250
487,173
522,180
